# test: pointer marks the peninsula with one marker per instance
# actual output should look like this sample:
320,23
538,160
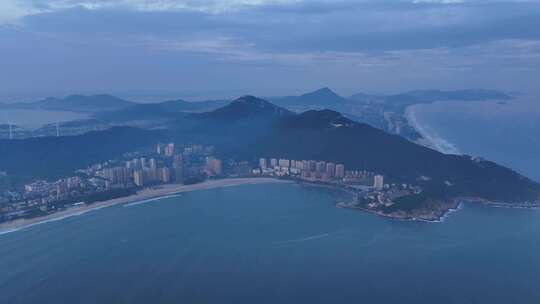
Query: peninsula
251,137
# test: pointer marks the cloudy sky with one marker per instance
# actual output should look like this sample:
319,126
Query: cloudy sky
145,49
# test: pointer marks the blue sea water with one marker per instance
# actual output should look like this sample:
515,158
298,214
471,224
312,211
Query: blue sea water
507,133
34,119
278,243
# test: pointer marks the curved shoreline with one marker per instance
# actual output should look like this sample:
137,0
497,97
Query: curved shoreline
148,195
429,140
455,205
142,195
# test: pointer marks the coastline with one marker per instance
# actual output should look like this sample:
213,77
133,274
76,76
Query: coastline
147,195
434,216
441,214
427,139
143,195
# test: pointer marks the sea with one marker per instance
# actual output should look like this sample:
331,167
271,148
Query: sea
272,243
34,119
288,243
507,132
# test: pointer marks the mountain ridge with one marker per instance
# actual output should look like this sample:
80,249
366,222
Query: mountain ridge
75,103
321,98
246,106
249,128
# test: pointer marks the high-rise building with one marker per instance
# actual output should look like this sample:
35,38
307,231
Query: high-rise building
330,170
109,175
61,188
262,163
164,175
285,163
169,150
151,174
273,162
74,182
136,164
217,167
138,178
159,149
179,174
142,160
214,165
321,167
117,175
340,171
178,161
152,164
312,165
378,182
305,166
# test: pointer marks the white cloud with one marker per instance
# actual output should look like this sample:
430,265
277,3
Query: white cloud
11,10
439,1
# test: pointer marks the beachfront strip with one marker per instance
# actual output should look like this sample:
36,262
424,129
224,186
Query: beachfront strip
170,163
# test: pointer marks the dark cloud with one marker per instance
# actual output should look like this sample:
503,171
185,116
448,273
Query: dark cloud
275,49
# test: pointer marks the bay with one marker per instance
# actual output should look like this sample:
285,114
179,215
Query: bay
278,243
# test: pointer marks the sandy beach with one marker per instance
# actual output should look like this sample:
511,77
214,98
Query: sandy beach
142,195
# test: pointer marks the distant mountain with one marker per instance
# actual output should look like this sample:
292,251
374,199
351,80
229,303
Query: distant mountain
322,98
76,103
246,107
163,111
249,128
192,106
54,157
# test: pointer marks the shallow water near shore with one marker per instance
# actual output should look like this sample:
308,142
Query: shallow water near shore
275,243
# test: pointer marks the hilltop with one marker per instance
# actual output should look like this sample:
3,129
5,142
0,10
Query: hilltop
250,127
76,103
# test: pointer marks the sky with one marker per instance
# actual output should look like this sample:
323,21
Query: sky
151,50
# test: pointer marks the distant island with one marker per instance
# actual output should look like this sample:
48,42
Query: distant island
250,137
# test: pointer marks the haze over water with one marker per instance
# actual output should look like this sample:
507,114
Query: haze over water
36,118
279,243
507,133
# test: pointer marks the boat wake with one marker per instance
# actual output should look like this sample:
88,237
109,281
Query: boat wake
151,200
305,239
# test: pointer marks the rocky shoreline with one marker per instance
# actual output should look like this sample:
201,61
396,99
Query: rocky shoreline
437,215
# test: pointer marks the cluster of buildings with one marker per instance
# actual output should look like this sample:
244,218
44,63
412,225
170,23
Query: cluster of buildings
43,196
166,165
379,198
59,189
317,171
